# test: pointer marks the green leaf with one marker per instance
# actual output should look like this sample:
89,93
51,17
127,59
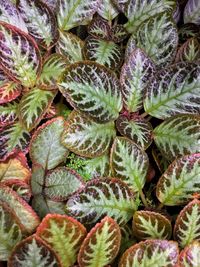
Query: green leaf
151,253
37,179
189,51
99,28
8,113
191,12
86,137
178,136
129,163
46,148
187,226
64,234
127,239
190,256
93,89
161,162
101,197
151,225
180,181
107,10
175,90
21,188
101,245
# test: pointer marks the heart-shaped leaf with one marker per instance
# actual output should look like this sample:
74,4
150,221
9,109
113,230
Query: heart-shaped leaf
8,113
190,256
187,226
107,10
102,197
86,137
151,253
151,225
64,234
192,11
134,77
93,89
129,163
19,55
178,136
46,148
180,181
174,90
189,51
104,238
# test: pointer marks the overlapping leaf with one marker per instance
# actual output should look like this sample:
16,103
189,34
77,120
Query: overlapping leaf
189,51
101,245
190,256
93,89
8,113
37,180
161,162
86,137
21,188
107,10
99,28
192,12
52,4
180,181
127,239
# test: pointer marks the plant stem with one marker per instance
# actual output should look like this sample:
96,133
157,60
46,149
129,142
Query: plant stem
143,198
143,115
160,206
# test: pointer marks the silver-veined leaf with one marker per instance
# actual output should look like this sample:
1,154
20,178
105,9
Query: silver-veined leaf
101,245
178,136
151,225
72,13
121,4
135,75
99,28
190,256
151,253
46,148
187,226
161,162
37,179
189,51
180,181
8,113
118,33
19,55
192,12
21,188
86,137
101,197
188,30
107,10
64,234
129,163
52,4
93,89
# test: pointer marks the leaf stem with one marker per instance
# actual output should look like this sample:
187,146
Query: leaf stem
160,206
143,198
143,115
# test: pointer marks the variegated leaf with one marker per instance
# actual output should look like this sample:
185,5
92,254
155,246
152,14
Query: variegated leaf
189,51
46,148
127,239
135,75
101,197
33,106
175,90
190,256
40,21
103,52
151,225
151,253
52,4
31,252
188,30
93,89
99,28
101,245
136,129
178,136
129,163
180,181
192,12
72,13
8,113
70,46
37,180
139,11
161,162
118,33
21,188
107,10
187,226
64,234
19,55
86,137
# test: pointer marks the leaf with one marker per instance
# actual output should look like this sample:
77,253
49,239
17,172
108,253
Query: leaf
101,245
127,239
64,234
22,211
99,28
70,46
103,52
138,12
61,182
178,136
134,77
19,55
151,253
101,197
8,113
161,162
46,148
188,30
189,51
158,37
33,251
151,225
75,12
86,137
119,33
180,181
107,10
190,256
93,89
129,163
136,129
174,90
52,4
21,188
33,106
187,226
191,12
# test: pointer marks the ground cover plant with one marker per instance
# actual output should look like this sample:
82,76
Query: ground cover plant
100,133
